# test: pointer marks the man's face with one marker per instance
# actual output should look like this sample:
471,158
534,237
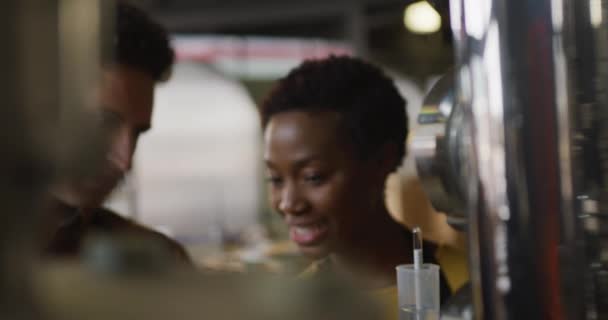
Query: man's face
124,108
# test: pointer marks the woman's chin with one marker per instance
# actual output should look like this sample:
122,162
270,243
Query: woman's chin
316,252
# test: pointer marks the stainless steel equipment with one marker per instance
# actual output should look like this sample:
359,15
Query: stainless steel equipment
530,104
435,146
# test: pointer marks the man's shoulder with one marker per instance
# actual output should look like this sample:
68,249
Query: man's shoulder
108,221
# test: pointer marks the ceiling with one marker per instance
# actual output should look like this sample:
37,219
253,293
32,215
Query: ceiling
374,28
242,16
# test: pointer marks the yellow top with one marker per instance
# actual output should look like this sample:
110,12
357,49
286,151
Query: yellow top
453,265
387,299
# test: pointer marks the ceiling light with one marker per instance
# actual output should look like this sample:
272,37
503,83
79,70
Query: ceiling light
420,17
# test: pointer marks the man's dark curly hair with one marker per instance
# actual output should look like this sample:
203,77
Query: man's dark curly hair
140,42
372,110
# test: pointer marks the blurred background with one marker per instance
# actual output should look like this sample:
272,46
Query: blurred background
198,175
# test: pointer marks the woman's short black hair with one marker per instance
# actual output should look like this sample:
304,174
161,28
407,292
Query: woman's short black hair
372,109
141,43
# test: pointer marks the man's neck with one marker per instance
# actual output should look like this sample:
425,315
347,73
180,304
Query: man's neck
59,214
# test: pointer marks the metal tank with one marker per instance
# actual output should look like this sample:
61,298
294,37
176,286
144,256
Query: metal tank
522,155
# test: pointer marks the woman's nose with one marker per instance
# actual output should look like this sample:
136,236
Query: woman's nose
291,201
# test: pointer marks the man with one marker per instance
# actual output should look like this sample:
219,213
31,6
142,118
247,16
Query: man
141,58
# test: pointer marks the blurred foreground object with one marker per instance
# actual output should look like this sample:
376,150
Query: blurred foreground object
40,93
87,292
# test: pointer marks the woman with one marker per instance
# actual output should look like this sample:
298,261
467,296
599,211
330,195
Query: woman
334,129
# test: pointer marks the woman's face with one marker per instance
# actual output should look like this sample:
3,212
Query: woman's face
316,182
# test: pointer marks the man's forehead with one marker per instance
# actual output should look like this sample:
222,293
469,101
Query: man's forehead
124,77
123,89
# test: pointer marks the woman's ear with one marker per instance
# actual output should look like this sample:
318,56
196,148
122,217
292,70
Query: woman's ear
387,159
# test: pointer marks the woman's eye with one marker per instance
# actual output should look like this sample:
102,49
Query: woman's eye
314,179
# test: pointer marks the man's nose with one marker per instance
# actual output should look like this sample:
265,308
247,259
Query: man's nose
121,149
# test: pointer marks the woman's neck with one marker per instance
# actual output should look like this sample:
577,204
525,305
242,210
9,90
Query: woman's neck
375,254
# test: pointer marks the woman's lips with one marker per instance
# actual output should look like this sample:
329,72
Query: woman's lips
309,234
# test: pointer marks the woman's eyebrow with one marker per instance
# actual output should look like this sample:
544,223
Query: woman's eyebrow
297,161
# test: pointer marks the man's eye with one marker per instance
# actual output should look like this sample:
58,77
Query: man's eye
109,119
274,181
